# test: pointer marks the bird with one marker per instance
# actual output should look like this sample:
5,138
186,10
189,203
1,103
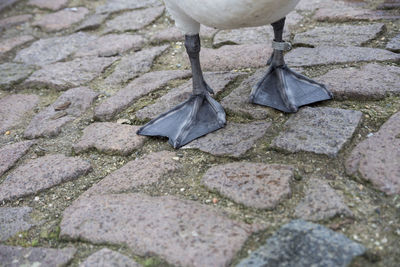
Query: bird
281,88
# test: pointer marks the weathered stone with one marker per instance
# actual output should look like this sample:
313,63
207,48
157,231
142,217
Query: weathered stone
255,185
42,173
377,158
44,257
112,6
106,257
64,75
92,22
133,65
134,20
394,44
216,80
300,243
111,45
389,4
12,73
13,109
9,44
45,51
173,34
62,19
182,232
253,35
238,100
319,130
321,202
49,4
14,20
144,171
112,138
327,55
311,5
14,220
342,35
136,89
371,81
67,107
233,140
231,57
10,154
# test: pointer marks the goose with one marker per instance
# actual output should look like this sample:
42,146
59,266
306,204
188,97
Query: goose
280,88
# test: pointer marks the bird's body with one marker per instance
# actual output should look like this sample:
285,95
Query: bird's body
227,14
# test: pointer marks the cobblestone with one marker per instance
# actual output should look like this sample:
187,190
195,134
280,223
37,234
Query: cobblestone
39,174
14,21
14,220
6,4
12,73
10,154
92,22
394,44
49,4
112,6
9,44
61,20
107,257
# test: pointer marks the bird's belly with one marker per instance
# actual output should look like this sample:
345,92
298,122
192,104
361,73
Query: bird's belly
229,14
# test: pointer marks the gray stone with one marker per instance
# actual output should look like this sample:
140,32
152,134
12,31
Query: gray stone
67,107
14,20
377,158
40,174
321,202
255,185
6,4
143,171
61,20
342,35
253,35
111,138
49,4
136,89
13,221
327,55
64,75
230,57
112,6
134,20
371,81
300,243
394,44
12,73
9,44
238,100
108,258
311,5
173,34
111,45
13,108
50,50
10,154
216,80
234,140
92,22
133,65
182,232
43,257
319,130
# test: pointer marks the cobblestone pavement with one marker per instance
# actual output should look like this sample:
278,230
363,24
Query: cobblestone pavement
78,187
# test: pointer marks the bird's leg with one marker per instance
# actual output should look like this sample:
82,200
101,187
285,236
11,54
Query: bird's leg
197,116
281,88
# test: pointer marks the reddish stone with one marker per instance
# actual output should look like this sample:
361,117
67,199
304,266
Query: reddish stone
49,4
10,154
14,20
61,20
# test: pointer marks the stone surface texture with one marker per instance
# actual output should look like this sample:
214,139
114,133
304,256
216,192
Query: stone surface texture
9,44
254,185
10,154
137,88
14,220
302,244
182,232
13,108
42,173
110,138
61,20
394,44
14,21
49,4
12,73
319,130
377,158
6,4
106,257
92,22
371,81
321,202
144,171
112,6
44,257
64,75
216,80
234,140
66,108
